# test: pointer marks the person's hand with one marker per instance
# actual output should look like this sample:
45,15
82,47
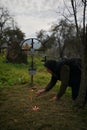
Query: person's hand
53,99
39,92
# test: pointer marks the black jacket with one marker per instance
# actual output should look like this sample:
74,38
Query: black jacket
68,71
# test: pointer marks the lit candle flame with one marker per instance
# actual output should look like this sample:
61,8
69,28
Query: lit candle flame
32,90
35,108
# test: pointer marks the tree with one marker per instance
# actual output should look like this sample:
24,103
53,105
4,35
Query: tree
83,41
43,37
75,4
62,40
12,35
15,53
65,35
4,19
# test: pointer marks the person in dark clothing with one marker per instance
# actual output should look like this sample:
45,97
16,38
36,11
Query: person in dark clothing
68,71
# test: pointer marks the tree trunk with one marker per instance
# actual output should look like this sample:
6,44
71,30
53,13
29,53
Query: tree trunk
83,85
82,97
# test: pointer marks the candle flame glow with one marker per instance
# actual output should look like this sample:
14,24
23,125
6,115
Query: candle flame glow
35,108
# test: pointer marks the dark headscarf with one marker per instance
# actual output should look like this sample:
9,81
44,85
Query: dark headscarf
51,64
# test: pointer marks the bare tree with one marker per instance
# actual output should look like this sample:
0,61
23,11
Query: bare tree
82,36
83,87
4,21
63,32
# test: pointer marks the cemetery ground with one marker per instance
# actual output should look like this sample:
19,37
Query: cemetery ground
18,100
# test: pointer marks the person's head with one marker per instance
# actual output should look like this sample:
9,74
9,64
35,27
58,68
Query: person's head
50,66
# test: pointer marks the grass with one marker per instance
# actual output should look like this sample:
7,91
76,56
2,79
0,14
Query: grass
14,74
16,111
17,100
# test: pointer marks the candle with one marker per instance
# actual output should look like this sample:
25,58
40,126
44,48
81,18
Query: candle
35,108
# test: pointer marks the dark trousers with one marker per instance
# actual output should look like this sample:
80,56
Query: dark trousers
75,92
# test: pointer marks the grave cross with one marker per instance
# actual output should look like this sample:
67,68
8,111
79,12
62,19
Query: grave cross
33,48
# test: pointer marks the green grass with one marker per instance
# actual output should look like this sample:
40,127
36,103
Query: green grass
17,100
14,74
